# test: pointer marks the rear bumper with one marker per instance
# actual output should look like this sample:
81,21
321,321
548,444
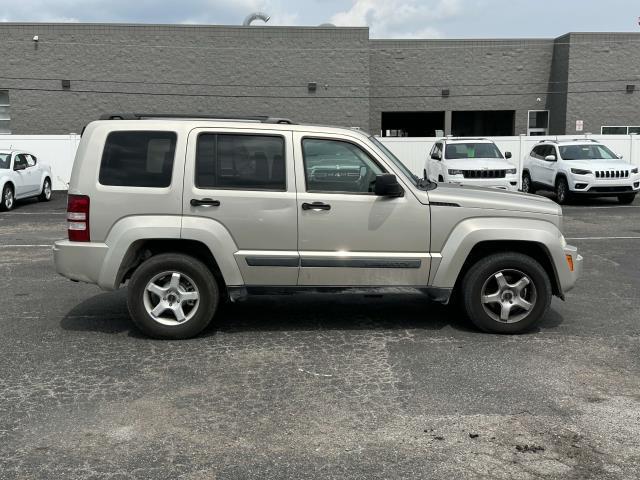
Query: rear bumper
79,261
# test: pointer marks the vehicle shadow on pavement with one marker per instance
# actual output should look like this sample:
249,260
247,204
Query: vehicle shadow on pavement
107,313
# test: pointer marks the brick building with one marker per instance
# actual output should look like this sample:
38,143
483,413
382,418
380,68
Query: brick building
75,72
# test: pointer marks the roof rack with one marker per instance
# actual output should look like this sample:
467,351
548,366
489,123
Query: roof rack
194,116
548,140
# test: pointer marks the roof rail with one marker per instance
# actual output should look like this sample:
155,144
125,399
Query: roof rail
548,140
583,140
194,116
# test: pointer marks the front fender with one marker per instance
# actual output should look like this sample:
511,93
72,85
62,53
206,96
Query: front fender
471,232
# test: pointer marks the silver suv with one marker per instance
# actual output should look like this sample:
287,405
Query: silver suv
190,212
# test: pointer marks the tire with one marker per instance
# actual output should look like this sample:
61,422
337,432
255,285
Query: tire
527,184
563,194
195,293
440,179
45,195
484,294
626,198
8,201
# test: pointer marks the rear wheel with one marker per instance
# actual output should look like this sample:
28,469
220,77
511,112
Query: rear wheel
527,184
172,296
45,195
506,293
563,195
7,201
627,198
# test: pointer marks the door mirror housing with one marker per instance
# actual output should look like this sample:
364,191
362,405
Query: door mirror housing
550,158
507,155
387,186
620,156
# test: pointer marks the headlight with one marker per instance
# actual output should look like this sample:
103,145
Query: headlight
455,172
579,171
511,171
634,170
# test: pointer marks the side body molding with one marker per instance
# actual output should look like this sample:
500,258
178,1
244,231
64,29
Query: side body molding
472,231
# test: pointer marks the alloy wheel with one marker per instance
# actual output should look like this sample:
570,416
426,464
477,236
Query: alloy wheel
508,296
171,298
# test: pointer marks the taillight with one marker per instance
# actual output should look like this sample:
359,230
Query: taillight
78,218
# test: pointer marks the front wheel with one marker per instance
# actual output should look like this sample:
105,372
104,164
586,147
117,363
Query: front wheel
506,293
626,198
527,184
563,195
45,195
7,200
172,296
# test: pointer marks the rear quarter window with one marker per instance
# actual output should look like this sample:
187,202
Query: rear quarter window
138,159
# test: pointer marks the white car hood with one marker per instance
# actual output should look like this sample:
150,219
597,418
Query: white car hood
478,164
599,164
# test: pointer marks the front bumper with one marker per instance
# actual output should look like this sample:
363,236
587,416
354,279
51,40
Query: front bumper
588,185
508,183
566,276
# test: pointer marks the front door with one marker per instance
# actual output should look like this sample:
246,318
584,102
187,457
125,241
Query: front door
21,175
348,236
243,182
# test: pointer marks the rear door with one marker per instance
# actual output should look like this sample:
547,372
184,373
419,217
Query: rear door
244,180
348,236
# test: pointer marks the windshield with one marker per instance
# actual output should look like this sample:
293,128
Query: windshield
413,178
471,150
587,152
5,160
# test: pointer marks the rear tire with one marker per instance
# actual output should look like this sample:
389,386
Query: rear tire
506,293
563,194
626,198
45,195
8,200
527,184
172,296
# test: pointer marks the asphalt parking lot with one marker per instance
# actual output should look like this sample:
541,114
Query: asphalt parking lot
340,386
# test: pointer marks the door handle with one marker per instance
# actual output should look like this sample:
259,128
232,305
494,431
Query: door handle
205,202
316,206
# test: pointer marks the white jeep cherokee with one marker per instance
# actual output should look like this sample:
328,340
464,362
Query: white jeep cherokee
579,167
471,161
189,212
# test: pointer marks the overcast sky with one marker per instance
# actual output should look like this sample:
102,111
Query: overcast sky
386,18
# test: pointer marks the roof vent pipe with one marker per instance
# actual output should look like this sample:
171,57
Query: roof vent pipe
255,16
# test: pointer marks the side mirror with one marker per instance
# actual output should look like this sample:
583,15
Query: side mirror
19,166
507,155
387,186
550,158
435,156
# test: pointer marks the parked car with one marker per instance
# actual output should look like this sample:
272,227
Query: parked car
471,161
579,167
22,176
190,212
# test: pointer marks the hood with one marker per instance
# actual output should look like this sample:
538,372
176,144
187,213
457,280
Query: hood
599,164
492,198
478,164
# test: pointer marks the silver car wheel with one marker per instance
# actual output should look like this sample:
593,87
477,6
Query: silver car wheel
171,298
8,198
508,296
47,189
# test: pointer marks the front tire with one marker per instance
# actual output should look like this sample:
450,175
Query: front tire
527,184
563,194
8,200
506,293
45,195
172,296
626,198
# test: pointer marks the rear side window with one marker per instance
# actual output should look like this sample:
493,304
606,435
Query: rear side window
243,162
138,159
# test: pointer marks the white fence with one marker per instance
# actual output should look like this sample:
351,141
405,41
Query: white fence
59,150
413,151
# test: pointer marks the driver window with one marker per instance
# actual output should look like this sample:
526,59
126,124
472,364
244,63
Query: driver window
338,167
19,160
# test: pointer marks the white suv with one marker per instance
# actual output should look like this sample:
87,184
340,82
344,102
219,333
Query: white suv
471,161
579,167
